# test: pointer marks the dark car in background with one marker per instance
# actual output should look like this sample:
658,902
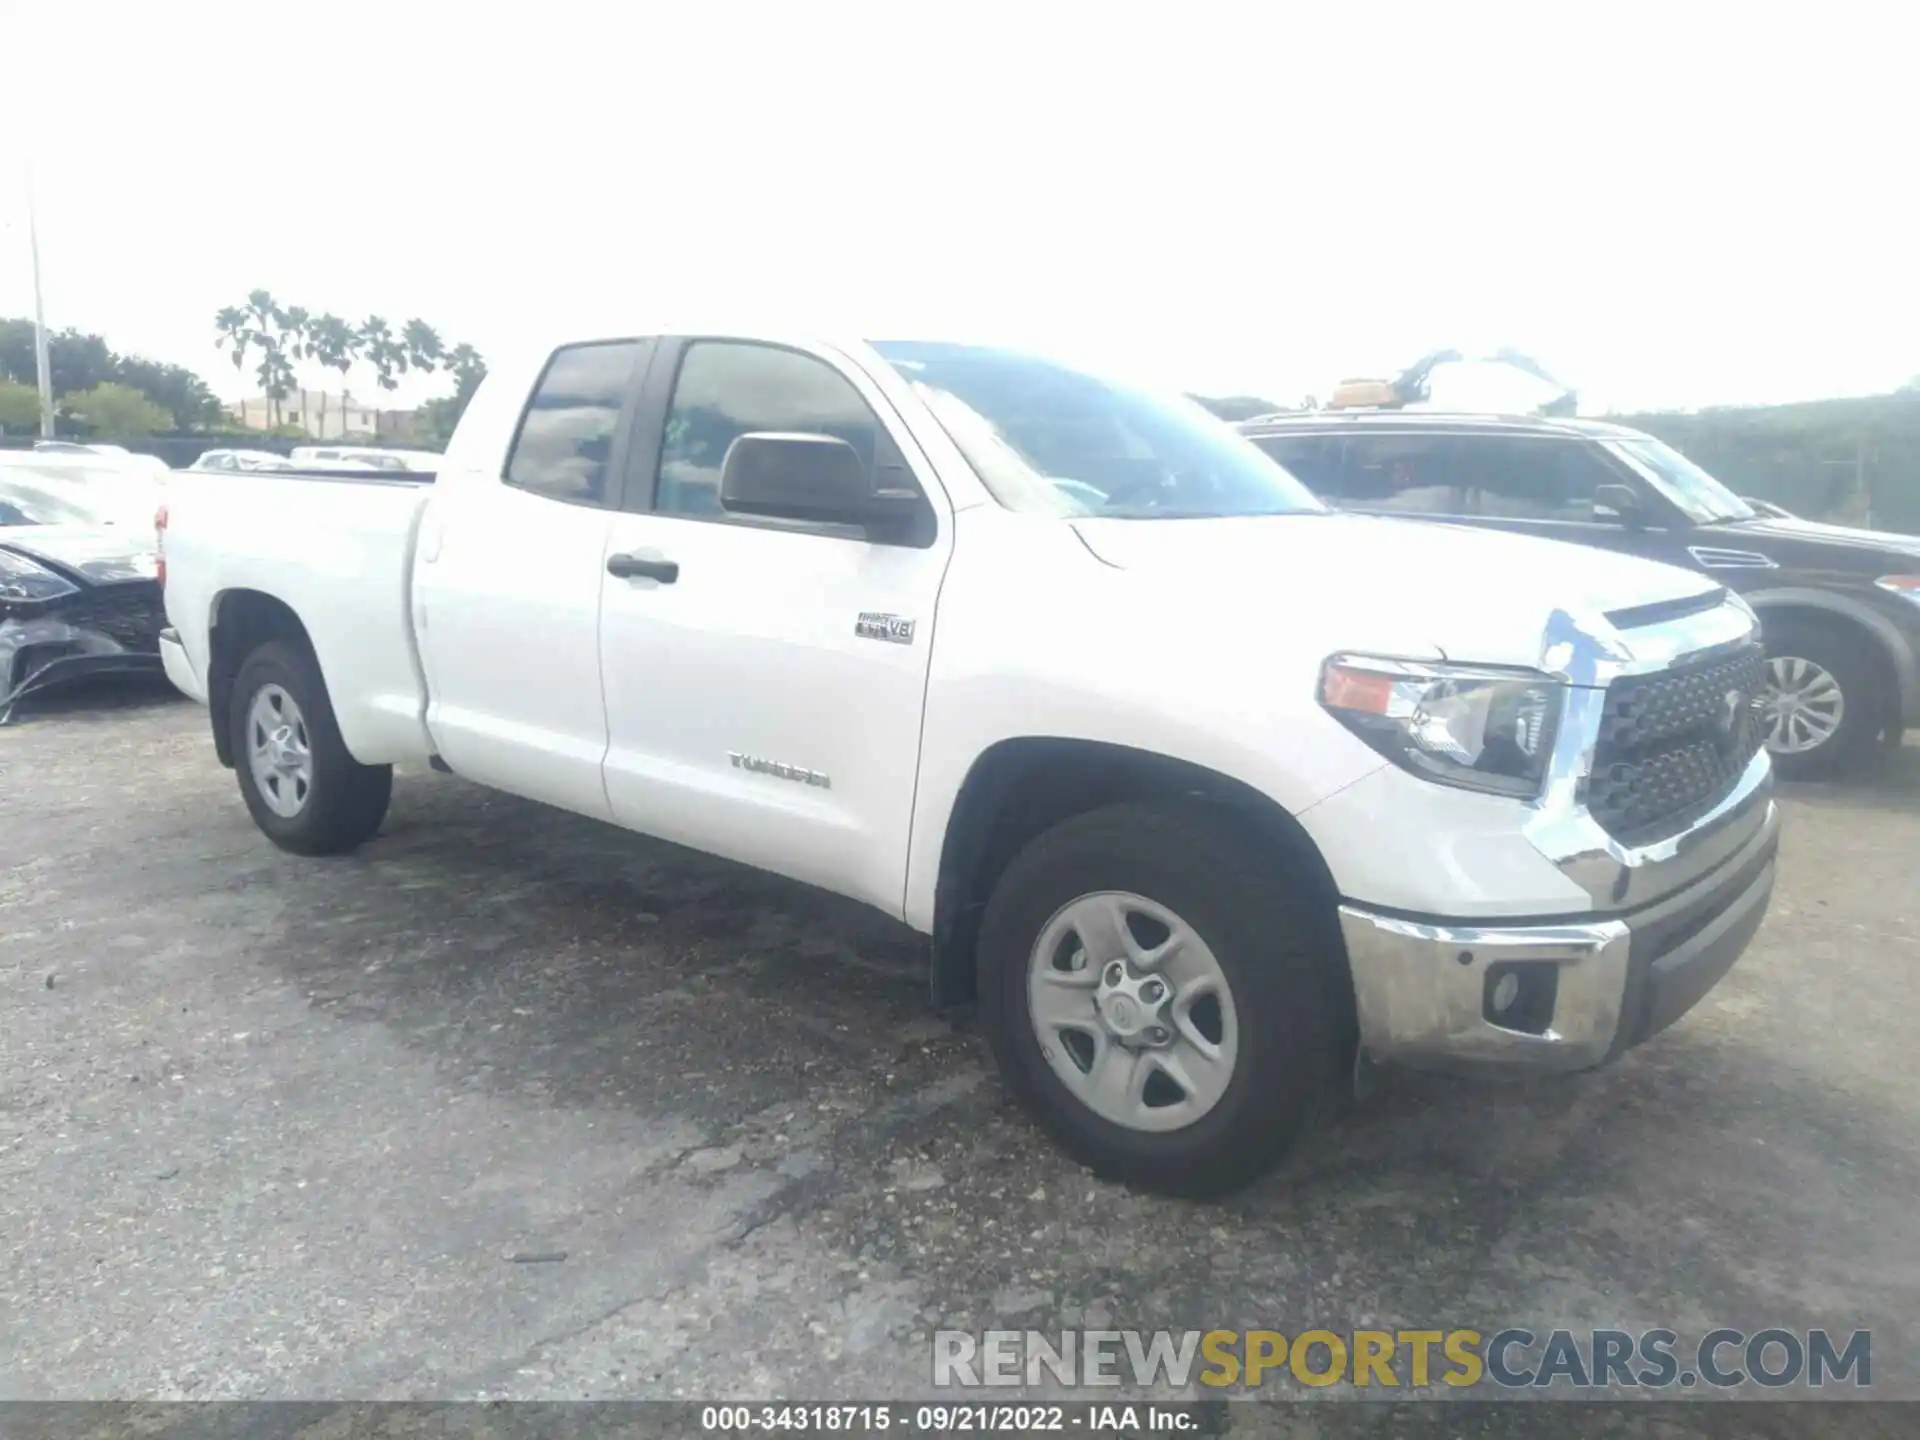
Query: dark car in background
79,594
1840,608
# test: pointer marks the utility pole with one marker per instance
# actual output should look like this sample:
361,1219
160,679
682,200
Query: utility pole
42,367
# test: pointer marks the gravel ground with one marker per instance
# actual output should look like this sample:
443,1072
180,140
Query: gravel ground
512,1104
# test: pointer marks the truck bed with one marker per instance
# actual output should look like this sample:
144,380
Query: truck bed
337,549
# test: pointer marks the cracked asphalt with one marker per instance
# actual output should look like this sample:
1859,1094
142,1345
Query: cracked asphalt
511,1104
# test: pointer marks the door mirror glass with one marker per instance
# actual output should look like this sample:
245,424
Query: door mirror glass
1619,503
815,479
796,477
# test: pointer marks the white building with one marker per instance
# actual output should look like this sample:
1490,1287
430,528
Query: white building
322,414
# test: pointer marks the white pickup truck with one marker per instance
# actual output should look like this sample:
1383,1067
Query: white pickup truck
1207,795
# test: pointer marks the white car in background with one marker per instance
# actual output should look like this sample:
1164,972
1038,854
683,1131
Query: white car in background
94,456
371,457
227,460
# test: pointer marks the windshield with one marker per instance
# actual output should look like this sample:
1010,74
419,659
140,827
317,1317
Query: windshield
1703,498
1049,440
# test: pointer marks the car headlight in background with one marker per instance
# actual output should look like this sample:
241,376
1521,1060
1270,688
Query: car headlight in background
22,579
1469,726
1907,587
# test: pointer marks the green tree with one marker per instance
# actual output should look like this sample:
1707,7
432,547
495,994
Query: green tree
234,332
425,349
275,341
77,361
114,410
383,352
333,343
174,388
463,362
19,406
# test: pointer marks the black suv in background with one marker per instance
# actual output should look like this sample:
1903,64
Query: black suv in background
1840,608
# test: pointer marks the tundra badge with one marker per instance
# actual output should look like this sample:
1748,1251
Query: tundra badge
778,768
872,625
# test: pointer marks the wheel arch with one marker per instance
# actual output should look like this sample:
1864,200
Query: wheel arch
1900,668
1019,787
241,621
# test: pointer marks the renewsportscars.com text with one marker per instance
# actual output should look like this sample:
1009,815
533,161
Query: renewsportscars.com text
1513,1358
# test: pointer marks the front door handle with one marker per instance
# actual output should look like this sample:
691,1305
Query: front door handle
635,567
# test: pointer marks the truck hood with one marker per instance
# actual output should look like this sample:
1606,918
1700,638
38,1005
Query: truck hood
98,556
1474,596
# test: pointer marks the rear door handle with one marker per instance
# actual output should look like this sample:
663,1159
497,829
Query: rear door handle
635,567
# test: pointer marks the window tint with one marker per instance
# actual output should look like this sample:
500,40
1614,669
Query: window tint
1499,477
567,433
728,388
1313,460
1408,474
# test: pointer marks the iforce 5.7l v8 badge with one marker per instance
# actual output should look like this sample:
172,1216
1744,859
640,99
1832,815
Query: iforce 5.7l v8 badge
872,625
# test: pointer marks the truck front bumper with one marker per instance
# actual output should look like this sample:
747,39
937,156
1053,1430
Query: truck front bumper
1561,994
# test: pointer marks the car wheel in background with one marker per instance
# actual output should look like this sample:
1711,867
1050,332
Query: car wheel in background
304,790
1824,703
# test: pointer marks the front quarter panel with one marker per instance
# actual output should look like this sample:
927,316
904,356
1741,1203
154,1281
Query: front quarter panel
1038,638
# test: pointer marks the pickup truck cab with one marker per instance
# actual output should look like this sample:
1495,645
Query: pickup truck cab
1205,793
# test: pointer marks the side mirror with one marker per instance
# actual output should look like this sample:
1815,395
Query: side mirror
814,478
1618,502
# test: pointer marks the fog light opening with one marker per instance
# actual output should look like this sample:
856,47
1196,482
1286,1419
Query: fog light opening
1519,995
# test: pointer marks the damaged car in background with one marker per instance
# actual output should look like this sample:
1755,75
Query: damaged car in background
79,591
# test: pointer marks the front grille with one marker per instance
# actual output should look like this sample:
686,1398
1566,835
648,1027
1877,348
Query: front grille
132,616
1672,744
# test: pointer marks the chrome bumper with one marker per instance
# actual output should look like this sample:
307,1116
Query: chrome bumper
1577,992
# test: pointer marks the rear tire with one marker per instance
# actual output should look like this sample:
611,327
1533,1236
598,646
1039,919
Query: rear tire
1826,701
305,792
1260,939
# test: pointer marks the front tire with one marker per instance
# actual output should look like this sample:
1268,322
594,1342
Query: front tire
305,792
1154,993
1825,703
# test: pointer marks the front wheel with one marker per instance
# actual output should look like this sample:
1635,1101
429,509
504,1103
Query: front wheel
1823,704
305,791
1155,996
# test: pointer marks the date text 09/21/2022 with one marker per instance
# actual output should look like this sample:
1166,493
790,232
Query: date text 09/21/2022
941,1419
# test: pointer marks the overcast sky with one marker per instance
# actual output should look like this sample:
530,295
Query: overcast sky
1684,205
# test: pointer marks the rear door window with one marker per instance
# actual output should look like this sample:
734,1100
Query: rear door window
1495,477
1405,474
566,436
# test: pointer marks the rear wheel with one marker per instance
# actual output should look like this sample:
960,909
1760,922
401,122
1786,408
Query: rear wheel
1155,996
305,792
1824,703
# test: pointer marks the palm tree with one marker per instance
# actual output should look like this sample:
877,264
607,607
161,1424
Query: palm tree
297,325
386,354
231,328
424,347
463,362
335,344
275,372
276,377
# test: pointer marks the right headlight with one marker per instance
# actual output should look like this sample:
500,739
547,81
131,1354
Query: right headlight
23,579
1470,726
